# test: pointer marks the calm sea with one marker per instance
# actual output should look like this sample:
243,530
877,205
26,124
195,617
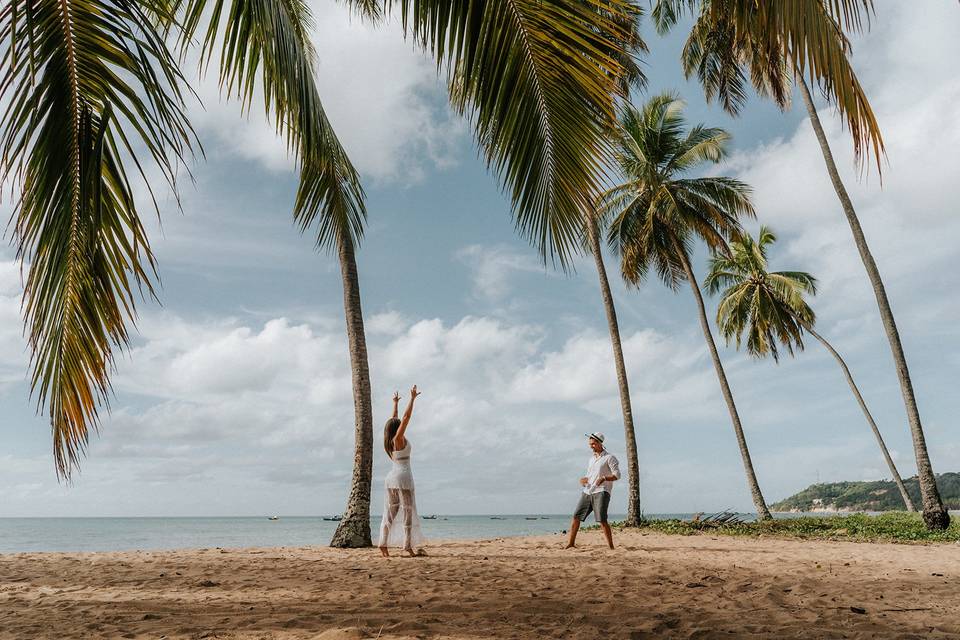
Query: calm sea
119,534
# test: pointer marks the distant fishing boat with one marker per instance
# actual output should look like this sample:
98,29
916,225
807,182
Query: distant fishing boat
533,518
429,517
333,518
497,518
273,518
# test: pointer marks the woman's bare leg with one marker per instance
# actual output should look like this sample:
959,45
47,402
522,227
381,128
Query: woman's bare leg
393,506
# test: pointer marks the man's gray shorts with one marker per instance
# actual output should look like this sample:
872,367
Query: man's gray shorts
595,502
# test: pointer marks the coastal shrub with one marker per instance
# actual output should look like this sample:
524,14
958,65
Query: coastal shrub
895,526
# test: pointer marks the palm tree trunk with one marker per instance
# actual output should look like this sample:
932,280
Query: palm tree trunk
934,515
762,512
866,412
634,514
354,530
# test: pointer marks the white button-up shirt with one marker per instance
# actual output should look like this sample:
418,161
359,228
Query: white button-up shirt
601,465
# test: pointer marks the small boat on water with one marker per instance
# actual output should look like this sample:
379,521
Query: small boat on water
333,518
497,518
429,517
533,518
273,518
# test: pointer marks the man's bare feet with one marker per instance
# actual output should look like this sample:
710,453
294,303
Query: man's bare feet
384,552
570,546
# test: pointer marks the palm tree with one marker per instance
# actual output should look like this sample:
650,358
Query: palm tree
634,77
96,78
775,43
658,212
769,307
634,512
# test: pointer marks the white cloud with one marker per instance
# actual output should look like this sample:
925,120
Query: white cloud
203,402
388,323
13,347
495,268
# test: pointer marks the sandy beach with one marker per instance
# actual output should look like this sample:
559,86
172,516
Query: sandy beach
651,586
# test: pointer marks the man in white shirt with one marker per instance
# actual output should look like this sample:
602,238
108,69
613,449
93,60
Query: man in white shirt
603,470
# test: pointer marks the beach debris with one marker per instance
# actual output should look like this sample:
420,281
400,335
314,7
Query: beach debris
208,583
716,520
859,610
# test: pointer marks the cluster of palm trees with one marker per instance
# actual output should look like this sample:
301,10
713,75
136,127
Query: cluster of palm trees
94,90
655,217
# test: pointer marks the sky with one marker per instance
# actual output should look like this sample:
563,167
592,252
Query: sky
234,397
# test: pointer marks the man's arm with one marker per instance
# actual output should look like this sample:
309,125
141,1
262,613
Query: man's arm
614,465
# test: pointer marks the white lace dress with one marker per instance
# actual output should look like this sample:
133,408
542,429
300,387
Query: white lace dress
400,526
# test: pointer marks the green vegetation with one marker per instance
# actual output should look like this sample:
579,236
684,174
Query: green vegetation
880,495
888,527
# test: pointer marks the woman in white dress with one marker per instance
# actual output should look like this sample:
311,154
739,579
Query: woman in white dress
401,523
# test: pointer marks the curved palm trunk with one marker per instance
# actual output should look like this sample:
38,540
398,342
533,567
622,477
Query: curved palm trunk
866,412
762,512
354,530
630,439
934,515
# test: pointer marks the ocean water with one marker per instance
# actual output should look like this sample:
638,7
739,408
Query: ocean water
126,534
122,534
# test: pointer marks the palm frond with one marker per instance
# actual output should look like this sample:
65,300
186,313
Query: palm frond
371,10
88,87
539,81
702,145
774,40
265,43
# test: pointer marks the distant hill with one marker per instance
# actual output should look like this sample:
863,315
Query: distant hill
880,495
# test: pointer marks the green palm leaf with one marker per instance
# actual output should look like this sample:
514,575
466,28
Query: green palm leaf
266,43
772,41
538,79
87,84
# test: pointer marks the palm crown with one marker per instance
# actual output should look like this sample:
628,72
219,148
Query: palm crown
769,307
658,210
768,43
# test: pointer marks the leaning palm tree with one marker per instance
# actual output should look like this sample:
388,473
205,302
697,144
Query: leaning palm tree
769,307
632,78
659,211
779,42
91,90
634,512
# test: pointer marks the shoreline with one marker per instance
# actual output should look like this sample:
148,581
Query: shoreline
200,534
651,585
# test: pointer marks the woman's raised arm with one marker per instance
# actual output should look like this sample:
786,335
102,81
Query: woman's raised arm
399,441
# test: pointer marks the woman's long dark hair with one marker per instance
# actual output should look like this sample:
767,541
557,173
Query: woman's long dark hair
389,433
